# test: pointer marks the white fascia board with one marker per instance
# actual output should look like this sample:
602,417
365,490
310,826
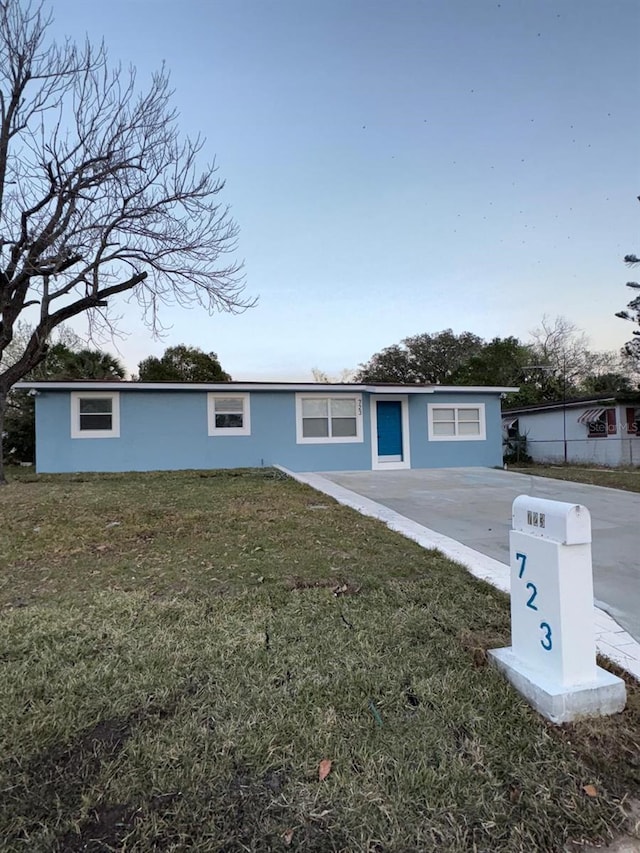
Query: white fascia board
230,387
400,389
308,387
475,389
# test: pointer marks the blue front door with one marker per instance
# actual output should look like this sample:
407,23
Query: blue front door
389,417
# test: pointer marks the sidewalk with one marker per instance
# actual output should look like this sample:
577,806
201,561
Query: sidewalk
612,640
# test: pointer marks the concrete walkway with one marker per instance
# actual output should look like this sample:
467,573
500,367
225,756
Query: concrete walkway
466,514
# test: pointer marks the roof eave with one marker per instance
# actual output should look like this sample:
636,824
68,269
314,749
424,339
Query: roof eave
333,387
554,407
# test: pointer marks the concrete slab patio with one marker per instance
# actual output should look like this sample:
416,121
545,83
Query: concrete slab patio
466,512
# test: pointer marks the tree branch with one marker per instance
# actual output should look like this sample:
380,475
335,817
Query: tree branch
99,195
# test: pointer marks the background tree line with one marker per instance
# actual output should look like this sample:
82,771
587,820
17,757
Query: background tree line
556,362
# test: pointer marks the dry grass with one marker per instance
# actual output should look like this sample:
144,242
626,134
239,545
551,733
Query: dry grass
180,651
627,479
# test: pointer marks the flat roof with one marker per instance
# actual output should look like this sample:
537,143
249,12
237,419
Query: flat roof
581,402
333,387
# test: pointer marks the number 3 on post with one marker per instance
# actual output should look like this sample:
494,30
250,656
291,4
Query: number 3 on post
546,641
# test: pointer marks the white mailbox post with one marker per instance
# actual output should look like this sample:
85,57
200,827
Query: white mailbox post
552,658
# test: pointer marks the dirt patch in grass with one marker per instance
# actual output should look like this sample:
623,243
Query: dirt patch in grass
477,643
106,829
57,770
337,587
58,778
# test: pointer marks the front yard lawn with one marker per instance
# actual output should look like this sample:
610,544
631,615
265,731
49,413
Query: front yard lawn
181,651
627,479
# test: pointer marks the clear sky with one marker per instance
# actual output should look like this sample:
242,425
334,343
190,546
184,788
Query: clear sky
399,166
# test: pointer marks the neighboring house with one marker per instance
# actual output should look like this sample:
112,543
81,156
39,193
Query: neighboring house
142,426
602,429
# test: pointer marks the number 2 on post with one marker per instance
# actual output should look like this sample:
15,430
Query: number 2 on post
522,557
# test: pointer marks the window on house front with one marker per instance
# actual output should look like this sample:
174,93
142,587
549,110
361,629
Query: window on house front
597,428
633,422
600,424
95,414
328,419
456,423
229,414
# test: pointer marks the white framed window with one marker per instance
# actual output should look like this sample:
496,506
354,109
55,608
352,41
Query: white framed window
454,422
322,419
228,414
95,414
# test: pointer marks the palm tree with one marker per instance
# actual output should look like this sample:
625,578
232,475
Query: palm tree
92,364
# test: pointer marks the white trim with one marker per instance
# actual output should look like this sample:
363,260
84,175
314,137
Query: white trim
457,406
321,394
390,463
213,430
76,432
311,387
475,389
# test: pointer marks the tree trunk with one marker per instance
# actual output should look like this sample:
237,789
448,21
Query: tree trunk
3,409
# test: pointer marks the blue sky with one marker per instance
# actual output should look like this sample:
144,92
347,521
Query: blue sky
399,167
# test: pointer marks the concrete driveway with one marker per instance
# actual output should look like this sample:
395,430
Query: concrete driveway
473,506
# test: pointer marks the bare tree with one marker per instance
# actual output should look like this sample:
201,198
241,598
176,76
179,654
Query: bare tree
568,366
559,344
99,195
345,375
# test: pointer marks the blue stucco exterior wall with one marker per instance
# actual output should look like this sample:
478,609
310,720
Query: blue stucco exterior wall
167,430
454,454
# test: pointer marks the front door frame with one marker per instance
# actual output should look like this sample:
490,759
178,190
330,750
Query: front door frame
377,462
